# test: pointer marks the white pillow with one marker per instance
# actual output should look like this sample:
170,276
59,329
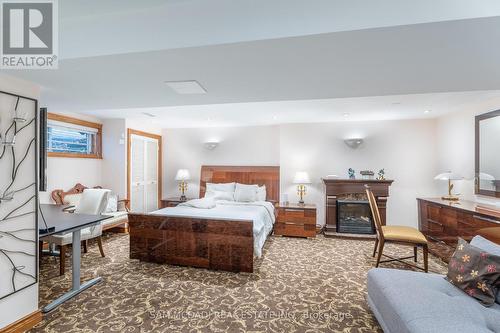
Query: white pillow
223,187
112,203
261,193
220,195
245,193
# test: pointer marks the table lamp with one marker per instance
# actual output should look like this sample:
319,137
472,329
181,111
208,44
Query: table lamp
301,178
449,176
182,176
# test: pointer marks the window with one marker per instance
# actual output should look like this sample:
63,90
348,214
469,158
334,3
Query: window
71,137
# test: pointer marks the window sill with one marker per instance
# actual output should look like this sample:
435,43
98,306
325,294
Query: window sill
68,155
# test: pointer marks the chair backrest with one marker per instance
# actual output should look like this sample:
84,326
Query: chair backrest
93,201
375,211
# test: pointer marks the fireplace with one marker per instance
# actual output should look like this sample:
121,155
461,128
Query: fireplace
338,191
354,217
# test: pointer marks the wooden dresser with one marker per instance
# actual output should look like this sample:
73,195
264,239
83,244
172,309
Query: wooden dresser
442,222
295,220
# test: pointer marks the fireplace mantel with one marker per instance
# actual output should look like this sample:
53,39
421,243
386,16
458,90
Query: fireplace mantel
335,188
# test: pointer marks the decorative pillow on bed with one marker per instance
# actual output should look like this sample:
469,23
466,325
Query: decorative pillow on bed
112,203
222,187
220,195
261,193
475,271
245,193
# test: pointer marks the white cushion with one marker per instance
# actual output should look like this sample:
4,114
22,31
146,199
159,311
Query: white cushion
223,187
220,195
261,193
68,238
72,199
112,203
245,193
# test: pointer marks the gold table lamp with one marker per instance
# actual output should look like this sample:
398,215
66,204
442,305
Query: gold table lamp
449,176
301,178
182,176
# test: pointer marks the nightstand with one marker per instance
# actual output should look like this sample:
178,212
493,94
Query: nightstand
296,220
172,202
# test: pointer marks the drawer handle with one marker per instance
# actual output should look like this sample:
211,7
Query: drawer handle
435,222
292,210
485,219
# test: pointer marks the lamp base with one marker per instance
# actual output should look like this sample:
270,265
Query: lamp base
450,197
183,198
301,203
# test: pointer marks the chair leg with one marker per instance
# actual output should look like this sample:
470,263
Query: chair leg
426,257
380,250
375,248
85,246
415,253
62,259
99,242
40,249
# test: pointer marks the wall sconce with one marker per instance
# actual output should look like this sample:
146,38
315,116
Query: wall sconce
354,143
210,145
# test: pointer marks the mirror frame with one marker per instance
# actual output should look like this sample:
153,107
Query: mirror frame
477,190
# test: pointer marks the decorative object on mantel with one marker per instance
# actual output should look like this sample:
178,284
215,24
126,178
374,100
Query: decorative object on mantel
449,176
352,173
182,176
18,193
381,174
301,178
367,174
211,145
353,143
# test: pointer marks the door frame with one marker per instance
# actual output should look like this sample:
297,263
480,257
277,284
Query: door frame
131,132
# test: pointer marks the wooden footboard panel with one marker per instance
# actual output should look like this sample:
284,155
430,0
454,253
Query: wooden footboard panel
215,244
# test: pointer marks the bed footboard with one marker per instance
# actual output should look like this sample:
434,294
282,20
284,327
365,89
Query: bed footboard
214,244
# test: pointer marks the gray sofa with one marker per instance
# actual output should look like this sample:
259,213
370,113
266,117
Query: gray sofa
407,301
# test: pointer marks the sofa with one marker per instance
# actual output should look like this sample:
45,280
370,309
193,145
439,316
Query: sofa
408,301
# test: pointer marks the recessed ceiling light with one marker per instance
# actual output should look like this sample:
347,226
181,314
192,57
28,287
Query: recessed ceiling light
427,111
149,114
188,87
275,117
346,115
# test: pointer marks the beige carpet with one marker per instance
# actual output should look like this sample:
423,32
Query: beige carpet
299,285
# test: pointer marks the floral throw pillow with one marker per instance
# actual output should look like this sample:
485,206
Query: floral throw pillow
475,271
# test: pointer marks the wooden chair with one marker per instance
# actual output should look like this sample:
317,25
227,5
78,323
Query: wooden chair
396,234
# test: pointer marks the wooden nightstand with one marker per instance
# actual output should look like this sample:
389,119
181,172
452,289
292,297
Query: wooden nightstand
296,220
172,202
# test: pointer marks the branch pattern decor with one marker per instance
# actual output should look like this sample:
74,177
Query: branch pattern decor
18,193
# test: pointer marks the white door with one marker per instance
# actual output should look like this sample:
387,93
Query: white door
143,174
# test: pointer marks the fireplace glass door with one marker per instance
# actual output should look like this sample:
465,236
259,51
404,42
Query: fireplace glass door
354,217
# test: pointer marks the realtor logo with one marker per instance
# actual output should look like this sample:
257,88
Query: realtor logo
29,34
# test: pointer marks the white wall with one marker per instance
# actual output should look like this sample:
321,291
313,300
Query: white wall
406,149
25,302
114,154
183,149
63,172
455,140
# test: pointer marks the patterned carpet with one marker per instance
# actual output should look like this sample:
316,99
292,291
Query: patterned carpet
299,285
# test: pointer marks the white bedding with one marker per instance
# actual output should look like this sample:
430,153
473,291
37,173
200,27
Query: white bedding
260,212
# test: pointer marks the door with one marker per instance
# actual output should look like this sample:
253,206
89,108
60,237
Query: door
144,171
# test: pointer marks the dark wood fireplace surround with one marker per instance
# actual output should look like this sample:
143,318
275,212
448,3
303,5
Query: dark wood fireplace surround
340,188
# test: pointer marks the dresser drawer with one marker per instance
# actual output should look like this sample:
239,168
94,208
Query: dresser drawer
291,229
297,216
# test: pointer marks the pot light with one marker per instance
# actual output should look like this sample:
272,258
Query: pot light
346,115
189,87
427,111
210,145
148,114
354,143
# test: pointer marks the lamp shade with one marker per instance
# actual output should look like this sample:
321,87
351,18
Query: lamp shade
182,174
301,177
448,176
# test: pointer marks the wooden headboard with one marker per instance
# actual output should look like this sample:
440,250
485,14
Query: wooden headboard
261,175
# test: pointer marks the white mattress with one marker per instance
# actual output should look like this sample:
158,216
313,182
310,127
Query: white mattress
260,212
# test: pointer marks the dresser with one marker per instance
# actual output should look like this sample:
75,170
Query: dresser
442,222
295,220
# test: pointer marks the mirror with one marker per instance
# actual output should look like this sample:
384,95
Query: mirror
488,154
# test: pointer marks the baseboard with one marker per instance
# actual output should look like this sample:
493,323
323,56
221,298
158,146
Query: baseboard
23,324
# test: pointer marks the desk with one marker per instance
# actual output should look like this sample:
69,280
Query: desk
59,223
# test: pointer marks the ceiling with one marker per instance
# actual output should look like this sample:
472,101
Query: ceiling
115,57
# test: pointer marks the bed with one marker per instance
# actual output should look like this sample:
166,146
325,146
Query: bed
226,237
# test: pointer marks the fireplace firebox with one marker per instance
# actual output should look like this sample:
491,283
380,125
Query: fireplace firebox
354,217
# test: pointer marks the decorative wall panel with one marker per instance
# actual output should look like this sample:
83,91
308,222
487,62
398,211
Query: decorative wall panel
18,193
